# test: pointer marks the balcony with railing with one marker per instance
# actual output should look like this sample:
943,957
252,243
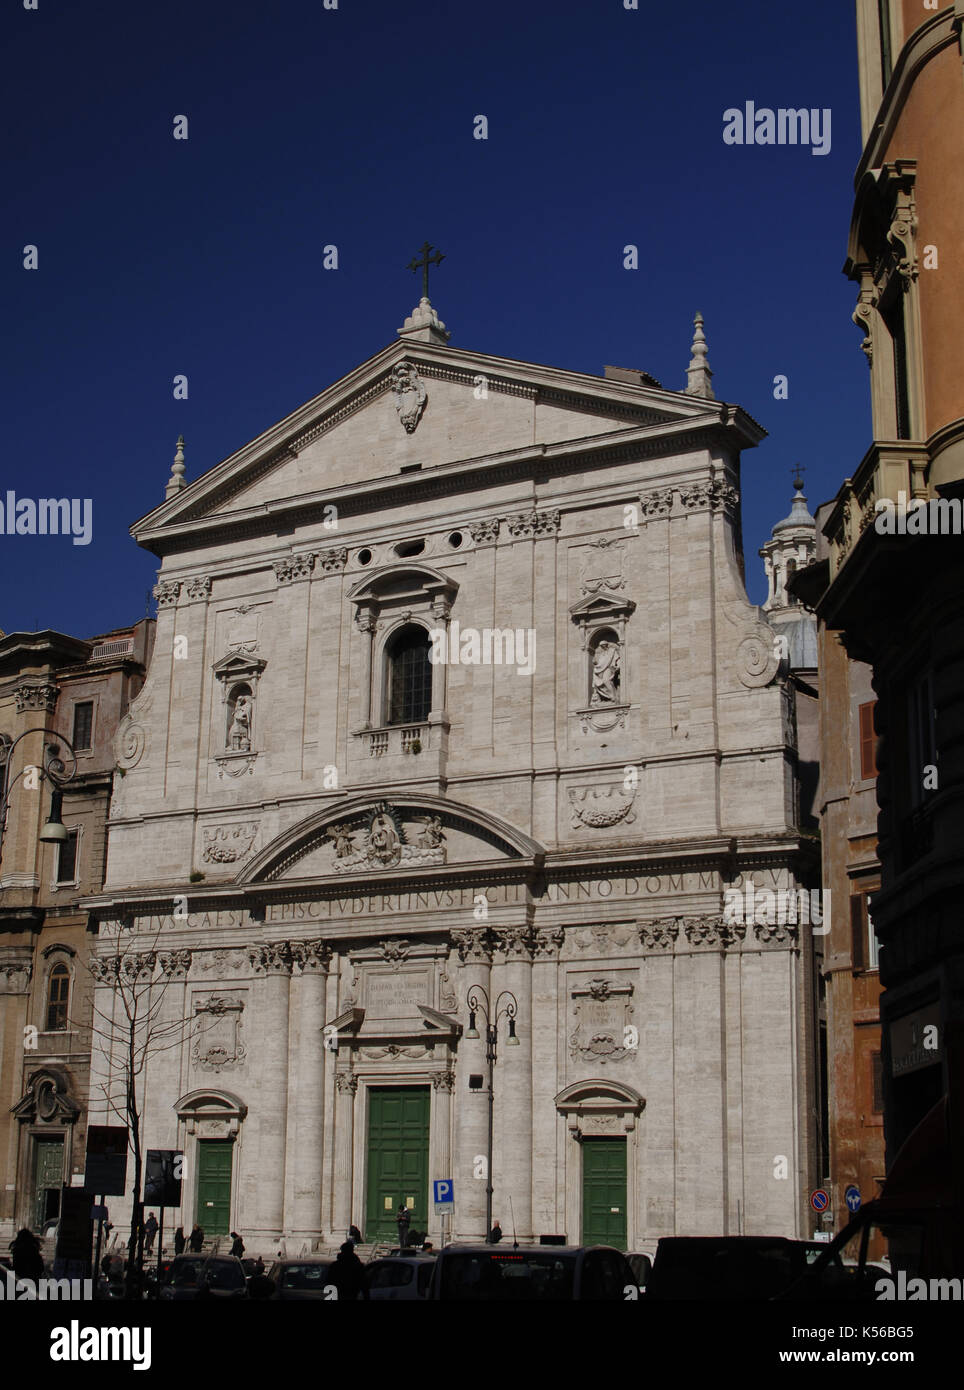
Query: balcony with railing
887,472
399,751
409,738
110,651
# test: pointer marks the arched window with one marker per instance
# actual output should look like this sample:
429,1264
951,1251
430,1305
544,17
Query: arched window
5,741
58,995
409,689
791,571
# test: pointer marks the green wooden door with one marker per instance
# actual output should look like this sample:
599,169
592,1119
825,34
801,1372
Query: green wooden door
214,1186
48,1180
397,1171
604,1192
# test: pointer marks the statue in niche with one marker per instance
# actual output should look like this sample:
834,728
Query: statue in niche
239,734
605,673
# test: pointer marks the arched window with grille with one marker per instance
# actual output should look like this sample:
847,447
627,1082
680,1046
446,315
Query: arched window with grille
408,676
58,998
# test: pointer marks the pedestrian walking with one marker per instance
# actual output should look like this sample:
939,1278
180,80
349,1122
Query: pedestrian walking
354,1235
237,1248
196,1240
150,1233
28,1260
403,1220
347,1275
495,1235
179,1241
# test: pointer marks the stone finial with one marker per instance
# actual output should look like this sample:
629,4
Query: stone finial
698,372
423,325
176,481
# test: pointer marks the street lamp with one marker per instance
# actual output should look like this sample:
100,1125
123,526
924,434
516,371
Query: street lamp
54,770
478,1002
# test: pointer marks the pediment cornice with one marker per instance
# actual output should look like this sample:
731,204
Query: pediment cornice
648,412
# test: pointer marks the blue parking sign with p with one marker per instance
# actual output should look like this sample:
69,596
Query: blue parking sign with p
443,1192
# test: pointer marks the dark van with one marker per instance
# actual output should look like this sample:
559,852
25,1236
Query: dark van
531,1273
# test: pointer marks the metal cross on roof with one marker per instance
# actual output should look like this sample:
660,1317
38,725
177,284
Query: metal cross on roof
424,263
798,472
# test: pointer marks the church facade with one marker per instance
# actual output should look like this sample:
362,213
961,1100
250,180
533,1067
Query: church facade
459,714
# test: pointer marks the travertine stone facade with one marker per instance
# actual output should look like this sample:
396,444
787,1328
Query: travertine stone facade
560,823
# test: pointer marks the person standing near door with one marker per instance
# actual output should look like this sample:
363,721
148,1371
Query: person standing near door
404,1221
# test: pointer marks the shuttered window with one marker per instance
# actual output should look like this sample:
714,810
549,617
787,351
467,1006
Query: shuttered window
83,725
868,760
858,931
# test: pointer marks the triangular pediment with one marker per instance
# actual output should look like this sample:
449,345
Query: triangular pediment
415,407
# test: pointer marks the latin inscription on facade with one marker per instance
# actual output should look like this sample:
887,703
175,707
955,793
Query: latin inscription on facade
396,994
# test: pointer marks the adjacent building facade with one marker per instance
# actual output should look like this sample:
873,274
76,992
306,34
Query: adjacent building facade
457,688
891,581
79,690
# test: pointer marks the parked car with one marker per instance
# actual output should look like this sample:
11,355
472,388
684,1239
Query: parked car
727,1267
183,1276
400,1276
222,1276
549,1273
302,1278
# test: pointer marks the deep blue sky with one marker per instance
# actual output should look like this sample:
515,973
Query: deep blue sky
354,127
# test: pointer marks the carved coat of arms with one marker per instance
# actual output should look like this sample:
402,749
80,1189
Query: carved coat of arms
410,395
217,1038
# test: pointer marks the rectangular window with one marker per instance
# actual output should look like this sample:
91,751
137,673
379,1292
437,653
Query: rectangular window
883,17
892,314
858,931
57,999
868,741
873,945
83,725
67,859
922,741
877,1082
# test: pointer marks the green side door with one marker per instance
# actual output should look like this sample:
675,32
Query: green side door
604,1192
397,1169
48,1179
214,1186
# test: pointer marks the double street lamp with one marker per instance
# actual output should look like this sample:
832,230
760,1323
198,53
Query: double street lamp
478,1002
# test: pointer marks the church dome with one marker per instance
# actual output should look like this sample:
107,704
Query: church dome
798,515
